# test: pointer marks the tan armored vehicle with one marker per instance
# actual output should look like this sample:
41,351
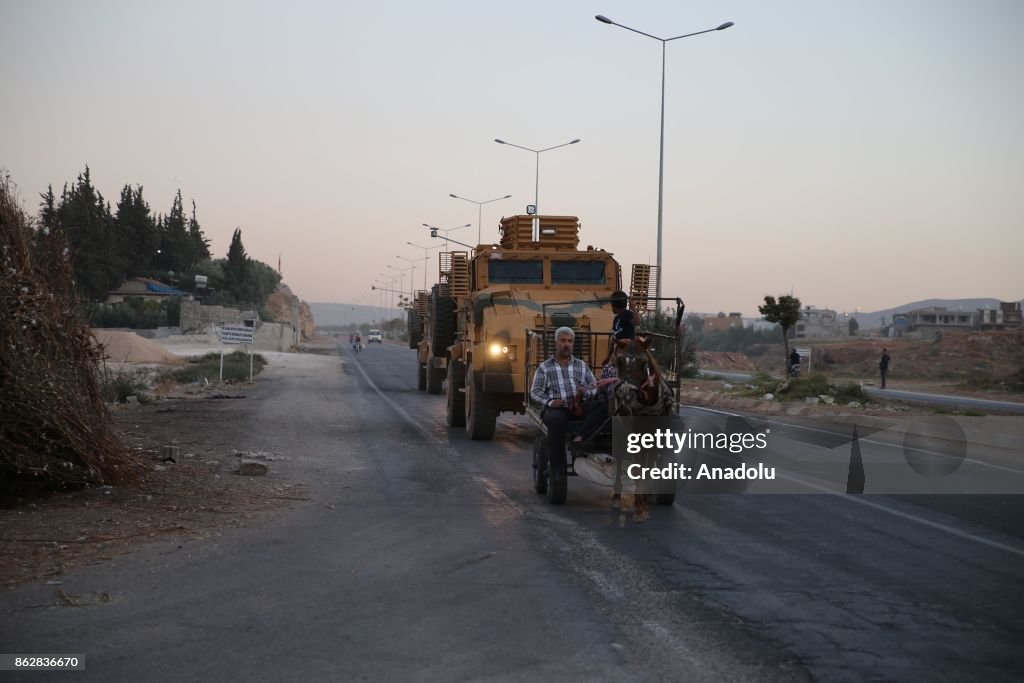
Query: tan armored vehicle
473,324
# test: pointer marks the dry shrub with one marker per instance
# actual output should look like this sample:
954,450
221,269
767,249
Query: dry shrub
55,429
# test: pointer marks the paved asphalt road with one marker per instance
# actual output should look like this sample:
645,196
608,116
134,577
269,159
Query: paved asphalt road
424,556
912,396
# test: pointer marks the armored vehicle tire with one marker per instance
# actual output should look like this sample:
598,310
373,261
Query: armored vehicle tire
455,412
665,498
421,376
435,376
540,464
415,329
444,325
557,480
480,414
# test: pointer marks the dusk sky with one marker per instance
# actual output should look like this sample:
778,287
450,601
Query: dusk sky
861,154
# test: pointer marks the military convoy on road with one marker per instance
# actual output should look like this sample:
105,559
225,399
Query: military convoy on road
471,328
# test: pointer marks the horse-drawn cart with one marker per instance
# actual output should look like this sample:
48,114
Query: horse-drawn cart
647,383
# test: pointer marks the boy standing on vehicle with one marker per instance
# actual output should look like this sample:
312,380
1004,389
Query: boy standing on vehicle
561,382
624,326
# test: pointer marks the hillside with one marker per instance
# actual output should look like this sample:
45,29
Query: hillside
279,307
345,314
873,319
982,359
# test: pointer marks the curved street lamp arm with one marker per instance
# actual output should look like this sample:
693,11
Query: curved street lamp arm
510,144
606,20
719,28
564,144
449,239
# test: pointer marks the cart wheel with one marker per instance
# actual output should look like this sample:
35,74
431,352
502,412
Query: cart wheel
540,464
557,480
665,498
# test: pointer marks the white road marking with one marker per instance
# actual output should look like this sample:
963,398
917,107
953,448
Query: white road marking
860,500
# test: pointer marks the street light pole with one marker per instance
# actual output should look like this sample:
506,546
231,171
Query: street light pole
468,246
536,179
401,285
480,209
434,229
391,298
425,258
661,144
412,278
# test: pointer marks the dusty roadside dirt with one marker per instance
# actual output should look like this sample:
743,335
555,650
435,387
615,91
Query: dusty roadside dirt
42,537
964,364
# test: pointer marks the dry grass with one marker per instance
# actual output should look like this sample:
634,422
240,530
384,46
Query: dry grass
55,428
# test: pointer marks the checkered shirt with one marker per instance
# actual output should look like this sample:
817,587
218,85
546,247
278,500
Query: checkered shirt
554,380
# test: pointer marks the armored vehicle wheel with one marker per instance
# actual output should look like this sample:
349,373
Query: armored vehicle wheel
455,413
444,325
540,464
435,377
557,480
665,498
421,376
480,414
415,329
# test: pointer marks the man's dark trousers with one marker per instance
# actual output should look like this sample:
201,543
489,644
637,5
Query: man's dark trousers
555,419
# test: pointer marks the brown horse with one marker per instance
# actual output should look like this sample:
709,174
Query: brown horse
641,391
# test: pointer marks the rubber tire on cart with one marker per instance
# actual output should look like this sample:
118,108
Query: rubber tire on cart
455,409
480,414
540,464
557,480
421,376
434,378
664,498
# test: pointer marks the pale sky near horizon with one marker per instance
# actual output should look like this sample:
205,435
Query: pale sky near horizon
861,154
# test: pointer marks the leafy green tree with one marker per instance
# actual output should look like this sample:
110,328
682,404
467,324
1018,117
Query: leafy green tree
135,233
175,248
261,281
199,246
236,268
786,312
853,327
249,282
85,218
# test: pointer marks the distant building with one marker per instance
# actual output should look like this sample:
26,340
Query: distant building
143,288
722,323
930,323
1006,316
900,325
817,323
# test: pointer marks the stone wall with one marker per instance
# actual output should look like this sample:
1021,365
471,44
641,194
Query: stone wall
275,337
199,319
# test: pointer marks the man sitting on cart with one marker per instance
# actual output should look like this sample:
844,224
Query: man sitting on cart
563,382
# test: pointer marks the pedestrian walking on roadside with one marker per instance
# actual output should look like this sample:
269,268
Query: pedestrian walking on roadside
883,365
